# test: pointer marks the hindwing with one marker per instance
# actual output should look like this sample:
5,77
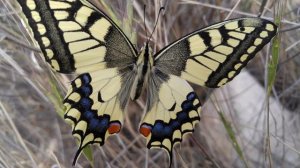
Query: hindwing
214,55
173,109
75,36
95,104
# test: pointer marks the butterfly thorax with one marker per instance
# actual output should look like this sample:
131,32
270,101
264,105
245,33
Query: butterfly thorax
144,65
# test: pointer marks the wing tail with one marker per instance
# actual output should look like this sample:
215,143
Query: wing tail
78,152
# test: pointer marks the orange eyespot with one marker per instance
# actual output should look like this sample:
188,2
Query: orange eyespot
114,128
145,130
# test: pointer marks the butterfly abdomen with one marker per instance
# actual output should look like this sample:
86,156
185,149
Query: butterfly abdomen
144,66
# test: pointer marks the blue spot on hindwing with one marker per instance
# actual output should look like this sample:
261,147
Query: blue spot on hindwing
85,103
164,130
102,125
93,123
86,78
175,124
182,116
98,125
187,106
104,122
157,129
86,90
167,131
191,96
88,115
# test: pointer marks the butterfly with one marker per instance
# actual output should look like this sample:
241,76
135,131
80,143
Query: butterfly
77,37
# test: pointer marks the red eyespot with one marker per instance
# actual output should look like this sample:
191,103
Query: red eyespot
114,128
145,130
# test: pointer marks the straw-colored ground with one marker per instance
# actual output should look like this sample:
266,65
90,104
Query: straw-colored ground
33,133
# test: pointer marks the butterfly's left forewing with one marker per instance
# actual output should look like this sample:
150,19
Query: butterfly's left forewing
75,36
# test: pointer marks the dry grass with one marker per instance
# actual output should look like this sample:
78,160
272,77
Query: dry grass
33,134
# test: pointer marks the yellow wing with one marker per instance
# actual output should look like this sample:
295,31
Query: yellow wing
209,57
173,110
76,36
95,105
214,55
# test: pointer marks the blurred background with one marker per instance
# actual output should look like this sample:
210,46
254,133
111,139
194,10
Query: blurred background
250,122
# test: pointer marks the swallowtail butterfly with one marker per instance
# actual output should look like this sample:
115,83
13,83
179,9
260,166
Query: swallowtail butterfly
75,36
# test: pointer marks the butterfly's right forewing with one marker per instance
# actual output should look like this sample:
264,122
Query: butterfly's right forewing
213,56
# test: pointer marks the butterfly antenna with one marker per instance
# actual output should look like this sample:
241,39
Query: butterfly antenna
160,10
145,20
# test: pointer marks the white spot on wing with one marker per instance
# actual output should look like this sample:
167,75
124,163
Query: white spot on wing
74,36
197,45
61,15
35,16
224,49
82,15
216,37
78,46
100,33
31,4
58,5
270,27
68,26
41,29
237,35
263,34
